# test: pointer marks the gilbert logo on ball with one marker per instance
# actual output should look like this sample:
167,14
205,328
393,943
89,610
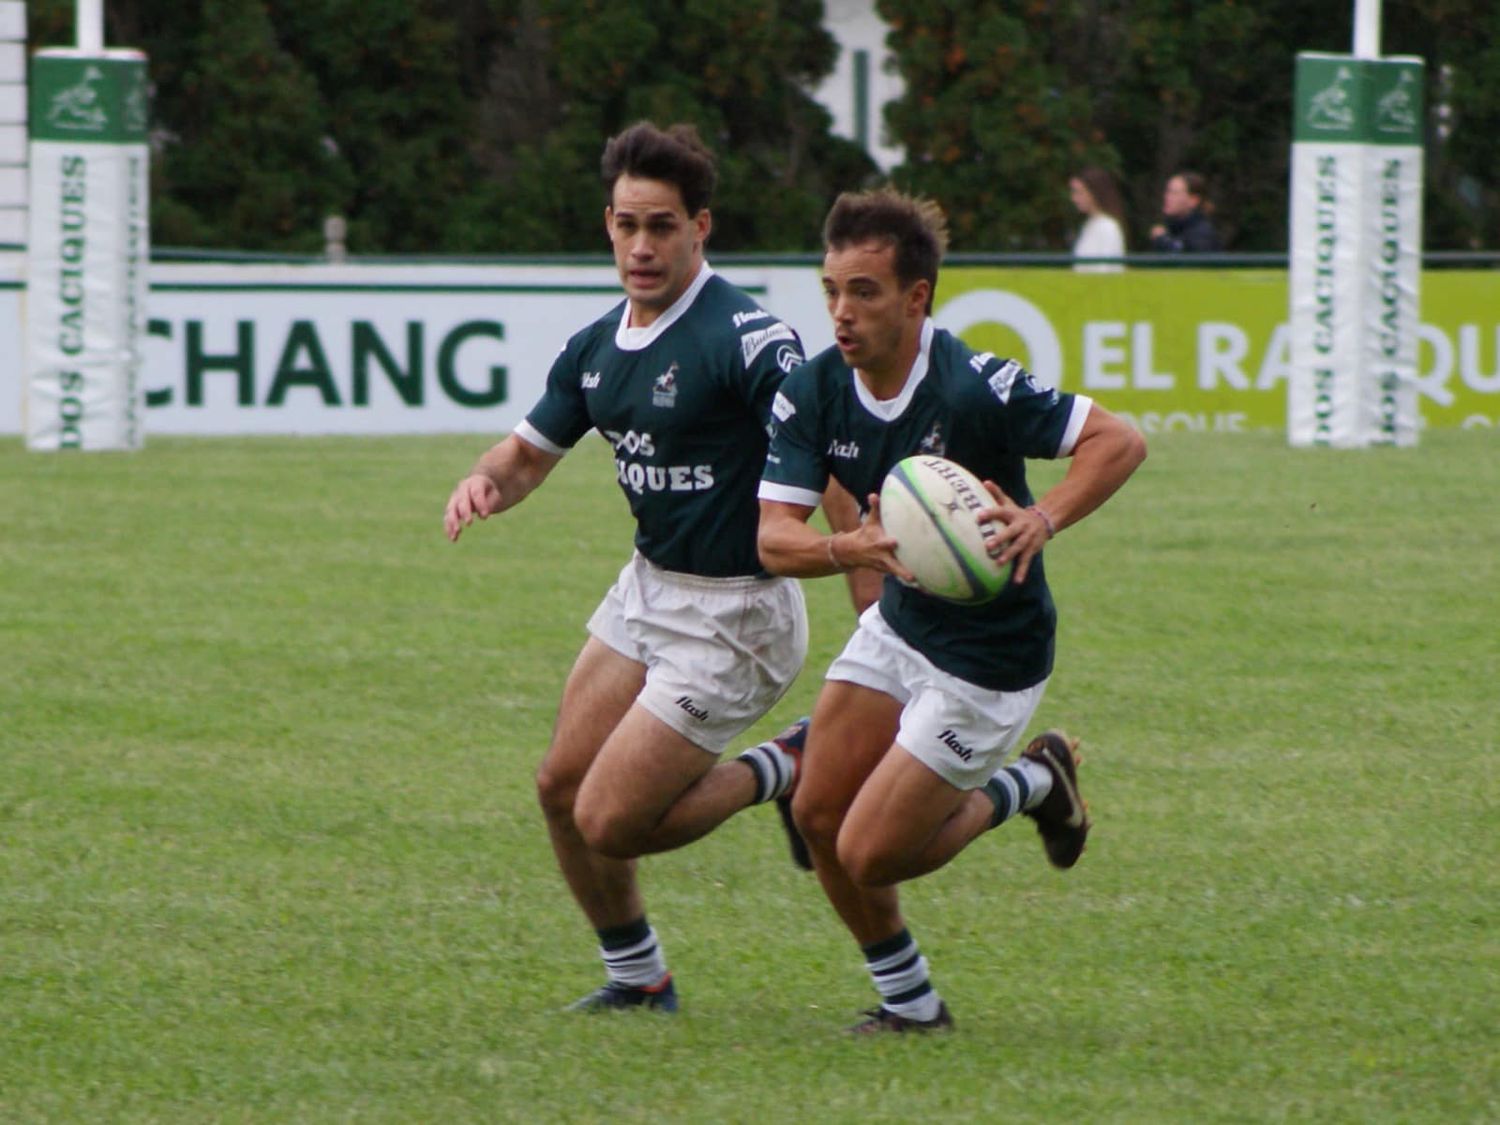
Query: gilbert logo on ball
930,506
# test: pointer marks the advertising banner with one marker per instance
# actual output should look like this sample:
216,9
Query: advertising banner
1356,221
87,251
356,350
1210,350
1169,349
390,349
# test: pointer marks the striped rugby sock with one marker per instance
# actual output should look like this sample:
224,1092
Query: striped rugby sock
632,955
900,974
1019,786
773,768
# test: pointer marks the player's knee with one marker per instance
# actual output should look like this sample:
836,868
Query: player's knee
817,821
608,831
556,792
867,862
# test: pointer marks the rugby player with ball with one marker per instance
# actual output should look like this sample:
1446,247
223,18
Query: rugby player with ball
906,759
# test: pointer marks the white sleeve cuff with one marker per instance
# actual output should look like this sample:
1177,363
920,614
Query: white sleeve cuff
533,436
789,494
1082,404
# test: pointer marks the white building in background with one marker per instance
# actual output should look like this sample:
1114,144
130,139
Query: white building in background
12,123
863,81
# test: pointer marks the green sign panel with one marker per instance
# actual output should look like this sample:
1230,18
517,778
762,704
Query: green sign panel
79,99
1340,98
1208,349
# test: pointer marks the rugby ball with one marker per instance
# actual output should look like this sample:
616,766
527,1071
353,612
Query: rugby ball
928,505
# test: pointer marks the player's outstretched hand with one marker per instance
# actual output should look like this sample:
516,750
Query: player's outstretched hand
1017,533
475,495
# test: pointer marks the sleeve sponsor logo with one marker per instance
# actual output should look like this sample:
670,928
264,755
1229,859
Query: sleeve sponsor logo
743,318
1002,382
789,357
781,407
753,343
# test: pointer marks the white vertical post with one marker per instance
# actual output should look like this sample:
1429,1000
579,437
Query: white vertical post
89,18
12,125
1367,29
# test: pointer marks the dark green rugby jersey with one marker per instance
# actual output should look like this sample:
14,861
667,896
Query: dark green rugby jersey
987,414
686,404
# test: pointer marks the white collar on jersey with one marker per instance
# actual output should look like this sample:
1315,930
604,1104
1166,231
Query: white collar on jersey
629,339
888,410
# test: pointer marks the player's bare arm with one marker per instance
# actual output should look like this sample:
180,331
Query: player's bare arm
501,479
1107,452
788,546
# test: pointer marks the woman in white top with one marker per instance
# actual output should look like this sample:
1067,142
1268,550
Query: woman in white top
1094,193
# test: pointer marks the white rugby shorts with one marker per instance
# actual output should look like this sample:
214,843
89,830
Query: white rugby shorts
959,730
719,652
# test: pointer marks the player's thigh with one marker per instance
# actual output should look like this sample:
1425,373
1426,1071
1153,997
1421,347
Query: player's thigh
641,770
899,809
852,728
600,690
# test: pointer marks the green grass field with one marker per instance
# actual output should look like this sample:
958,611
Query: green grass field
269,850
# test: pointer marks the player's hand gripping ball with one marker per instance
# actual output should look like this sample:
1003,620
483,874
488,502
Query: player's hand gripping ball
929,506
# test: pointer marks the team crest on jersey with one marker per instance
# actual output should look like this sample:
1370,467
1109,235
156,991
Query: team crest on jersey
664,390
933,444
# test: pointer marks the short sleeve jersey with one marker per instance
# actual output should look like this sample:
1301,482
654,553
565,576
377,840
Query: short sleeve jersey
686,405
987,414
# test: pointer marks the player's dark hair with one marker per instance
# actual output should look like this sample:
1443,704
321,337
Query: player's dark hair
675,155
916,227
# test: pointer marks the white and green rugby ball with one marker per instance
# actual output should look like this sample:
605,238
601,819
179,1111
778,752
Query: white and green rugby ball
929,506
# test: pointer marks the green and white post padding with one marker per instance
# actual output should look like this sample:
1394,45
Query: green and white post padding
87,250
1356,251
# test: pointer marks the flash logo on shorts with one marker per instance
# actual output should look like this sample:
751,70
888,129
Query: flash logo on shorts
950,740
687,704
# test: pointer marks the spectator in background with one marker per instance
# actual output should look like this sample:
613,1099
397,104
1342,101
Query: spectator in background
1095,194
1186,228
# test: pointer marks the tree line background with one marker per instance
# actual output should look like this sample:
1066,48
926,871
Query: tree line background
475,126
